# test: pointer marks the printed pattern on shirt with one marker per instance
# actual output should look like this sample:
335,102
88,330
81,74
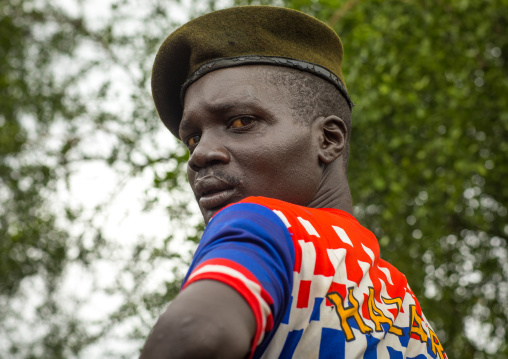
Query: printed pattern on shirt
345,302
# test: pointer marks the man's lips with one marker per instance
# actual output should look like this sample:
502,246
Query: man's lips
212,192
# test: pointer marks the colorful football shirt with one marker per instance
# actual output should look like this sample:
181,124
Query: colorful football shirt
315,283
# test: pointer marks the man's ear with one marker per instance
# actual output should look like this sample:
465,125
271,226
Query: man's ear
332,138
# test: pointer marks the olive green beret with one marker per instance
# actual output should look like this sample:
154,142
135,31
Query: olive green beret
244,35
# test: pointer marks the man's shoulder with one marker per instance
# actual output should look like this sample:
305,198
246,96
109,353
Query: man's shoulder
297,219
268,202
284,209
259,210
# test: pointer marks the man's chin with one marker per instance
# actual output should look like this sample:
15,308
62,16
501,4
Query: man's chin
208,213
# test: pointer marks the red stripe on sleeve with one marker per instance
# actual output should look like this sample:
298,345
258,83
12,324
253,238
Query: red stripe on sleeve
242,288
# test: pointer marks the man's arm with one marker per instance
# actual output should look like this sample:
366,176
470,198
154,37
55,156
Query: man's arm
208,319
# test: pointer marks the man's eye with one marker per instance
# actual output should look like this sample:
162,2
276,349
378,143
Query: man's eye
193,141
241,122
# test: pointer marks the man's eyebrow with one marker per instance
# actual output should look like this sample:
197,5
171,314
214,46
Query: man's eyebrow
226,106
216,108
184,125
244,103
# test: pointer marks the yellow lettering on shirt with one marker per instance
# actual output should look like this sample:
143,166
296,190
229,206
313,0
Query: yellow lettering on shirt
437,348
416,325
397,301
351,312
378,317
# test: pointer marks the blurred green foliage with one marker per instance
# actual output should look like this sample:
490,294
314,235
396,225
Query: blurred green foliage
56,93
428,163
29,242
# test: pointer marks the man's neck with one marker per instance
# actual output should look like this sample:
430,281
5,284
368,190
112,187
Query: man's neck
334,190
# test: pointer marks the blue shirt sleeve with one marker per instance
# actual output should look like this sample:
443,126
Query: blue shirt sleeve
256,238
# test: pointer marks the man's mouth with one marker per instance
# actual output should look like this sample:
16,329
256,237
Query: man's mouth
213,192
216,199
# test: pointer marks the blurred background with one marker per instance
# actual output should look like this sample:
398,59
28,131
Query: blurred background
97,225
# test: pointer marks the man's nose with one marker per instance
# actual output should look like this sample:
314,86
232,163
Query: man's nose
209,151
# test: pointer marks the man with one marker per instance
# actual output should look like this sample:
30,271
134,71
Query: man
257,95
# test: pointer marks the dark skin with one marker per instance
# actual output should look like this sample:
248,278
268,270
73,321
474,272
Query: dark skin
244,141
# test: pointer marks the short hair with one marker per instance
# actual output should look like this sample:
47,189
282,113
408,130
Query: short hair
311,97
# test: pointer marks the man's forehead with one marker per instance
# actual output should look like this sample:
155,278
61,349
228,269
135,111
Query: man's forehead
245,80
238,88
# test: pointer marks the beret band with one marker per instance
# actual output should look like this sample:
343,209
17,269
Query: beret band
266,60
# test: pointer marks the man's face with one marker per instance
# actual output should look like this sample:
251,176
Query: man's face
244,141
